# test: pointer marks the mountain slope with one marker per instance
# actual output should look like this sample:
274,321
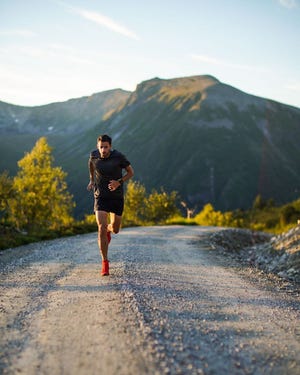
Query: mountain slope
62,123
209,141
75,114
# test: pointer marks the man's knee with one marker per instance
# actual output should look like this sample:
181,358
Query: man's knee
115,228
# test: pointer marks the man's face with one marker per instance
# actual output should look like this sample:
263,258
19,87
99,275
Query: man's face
104,149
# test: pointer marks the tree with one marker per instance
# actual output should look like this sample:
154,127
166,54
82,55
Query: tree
161,206
135,198
6,193
41,198
143,209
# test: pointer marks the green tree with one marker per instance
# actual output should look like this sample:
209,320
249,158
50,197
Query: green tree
161,206
6,193
143,209
41,198
135,198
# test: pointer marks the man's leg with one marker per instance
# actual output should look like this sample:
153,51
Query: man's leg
101,218
115,223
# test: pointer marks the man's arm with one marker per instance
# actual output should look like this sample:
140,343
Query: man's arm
114,184
129,174
92,172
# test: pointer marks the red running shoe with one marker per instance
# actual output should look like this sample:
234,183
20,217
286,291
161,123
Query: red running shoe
108,237
105,268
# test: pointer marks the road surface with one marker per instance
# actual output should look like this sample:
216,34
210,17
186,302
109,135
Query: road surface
170,306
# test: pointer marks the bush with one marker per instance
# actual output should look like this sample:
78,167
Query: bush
208,216
143,209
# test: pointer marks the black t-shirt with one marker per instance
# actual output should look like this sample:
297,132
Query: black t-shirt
107,169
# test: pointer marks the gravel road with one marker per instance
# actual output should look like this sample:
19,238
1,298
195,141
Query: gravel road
170,306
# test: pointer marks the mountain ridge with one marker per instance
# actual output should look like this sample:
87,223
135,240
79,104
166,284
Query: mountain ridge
207,140
222,124
91,109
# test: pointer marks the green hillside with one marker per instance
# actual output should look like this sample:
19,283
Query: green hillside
211,142
200,137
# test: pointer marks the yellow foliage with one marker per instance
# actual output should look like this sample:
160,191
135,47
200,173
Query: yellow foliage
89,219
41,198
134,211
208,216
144,209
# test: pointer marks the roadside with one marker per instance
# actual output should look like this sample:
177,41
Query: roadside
279,255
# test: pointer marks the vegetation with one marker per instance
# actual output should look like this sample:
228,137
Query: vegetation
268,217
263,216
36,205
153,209
162,208
208,216
40,198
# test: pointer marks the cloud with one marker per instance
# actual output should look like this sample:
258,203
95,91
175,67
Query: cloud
288,3
18,32
102,20
226,64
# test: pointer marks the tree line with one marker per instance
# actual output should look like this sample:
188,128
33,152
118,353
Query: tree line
36,204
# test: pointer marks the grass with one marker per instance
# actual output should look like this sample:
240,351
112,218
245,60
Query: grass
11,237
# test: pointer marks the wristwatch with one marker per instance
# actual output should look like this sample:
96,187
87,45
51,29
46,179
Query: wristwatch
120,180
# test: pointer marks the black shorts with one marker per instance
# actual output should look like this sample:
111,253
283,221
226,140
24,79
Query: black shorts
109,205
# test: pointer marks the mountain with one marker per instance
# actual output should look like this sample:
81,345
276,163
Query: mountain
63,122
64,117
209,141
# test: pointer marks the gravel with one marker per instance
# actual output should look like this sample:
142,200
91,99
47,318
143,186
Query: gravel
279,255
170,306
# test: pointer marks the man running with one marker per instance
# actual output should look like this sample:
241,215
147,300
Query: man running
105,167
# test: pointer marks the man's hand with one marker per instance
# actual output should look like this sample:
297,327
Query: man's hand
113,185
90,186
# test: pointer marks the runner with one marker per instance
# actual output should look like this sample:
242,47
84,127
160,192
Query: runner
106,166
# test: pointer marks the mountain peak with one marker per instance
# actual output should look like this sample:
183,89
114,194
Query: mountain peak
175,86
200,81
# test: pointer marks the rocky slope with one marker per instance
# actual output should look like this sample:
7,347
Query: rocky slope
278,254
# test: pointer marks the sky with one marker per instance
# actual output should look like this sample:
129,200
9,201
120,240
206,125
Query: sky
53,50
